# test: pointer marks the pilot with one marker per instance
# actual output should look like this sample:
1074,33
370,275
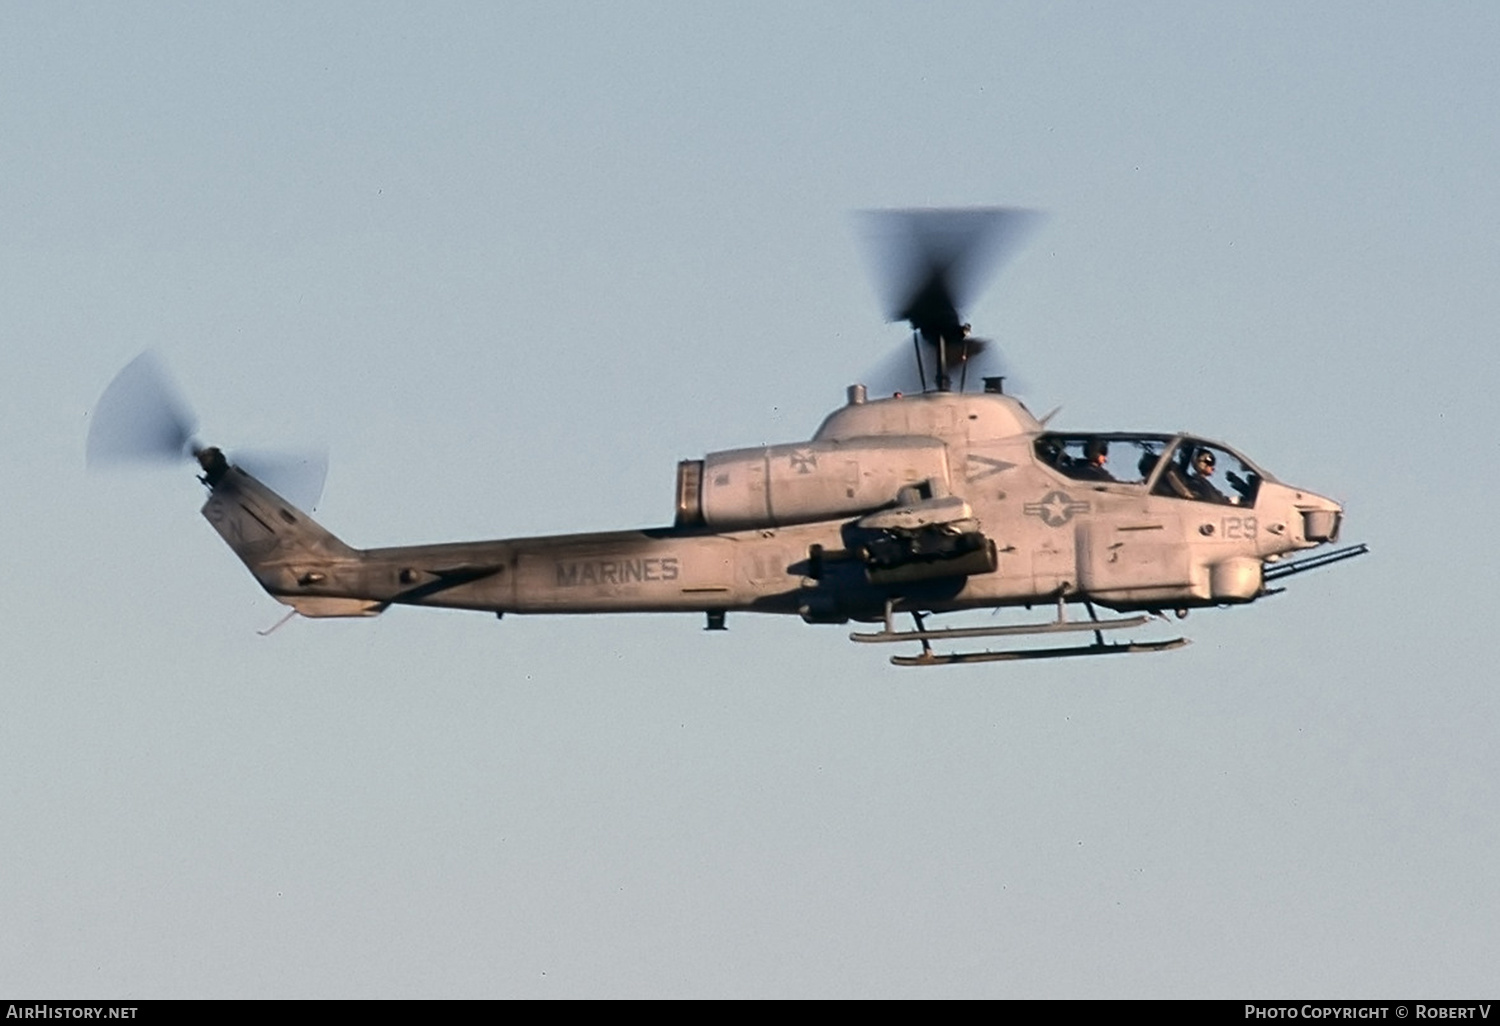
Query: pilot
1198,478
1095,456
1051,452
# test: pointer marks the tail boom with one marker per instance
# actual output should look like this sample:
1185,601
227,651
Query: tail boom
302,565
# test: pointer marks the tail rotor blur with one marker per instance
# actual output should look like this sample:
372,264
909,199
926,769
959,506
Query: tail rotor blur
141,418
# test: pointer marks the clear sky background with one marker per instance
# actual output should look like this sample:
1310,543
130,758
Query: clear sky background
512,262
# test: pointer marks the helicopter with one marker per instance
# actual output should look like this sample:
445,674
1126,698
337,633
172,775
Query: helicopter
946,498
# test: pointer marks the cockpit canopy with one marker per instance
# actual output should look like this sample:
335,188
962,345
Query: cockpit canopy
1175,466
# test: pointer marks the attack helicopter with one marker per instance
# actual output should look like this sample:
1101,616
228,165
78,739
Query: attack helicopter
950,497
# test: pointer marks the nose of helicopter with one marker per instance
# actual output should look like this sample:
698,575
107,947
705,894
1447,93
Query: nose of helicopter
1321,518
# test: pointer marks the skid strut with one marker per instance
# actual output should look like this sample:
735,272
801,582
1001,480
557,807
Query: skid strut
1061,625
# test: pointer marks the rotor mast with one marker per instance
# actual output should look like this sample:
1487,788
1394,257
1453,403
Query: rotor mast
940,341
932,262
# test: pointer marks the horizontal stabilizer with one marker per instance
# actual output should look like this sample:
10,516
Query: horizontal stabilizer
315,607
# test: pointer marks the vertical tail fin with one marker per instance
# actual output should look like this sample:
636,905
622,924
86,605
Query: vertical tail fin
289,553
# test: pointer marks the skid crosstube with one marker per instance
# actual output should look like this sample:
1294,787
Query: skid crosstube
1061,625
1004,631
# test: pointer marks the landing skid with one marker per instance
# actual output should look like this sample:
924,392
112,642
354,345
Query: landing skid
1062,625
928,658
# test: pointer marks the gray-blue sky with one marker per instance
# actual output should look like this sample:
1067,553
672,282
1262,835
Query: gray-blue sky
513,263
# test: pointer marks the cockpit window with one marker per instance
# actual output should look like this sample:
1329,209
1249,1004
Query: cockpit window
1123,459
1204,472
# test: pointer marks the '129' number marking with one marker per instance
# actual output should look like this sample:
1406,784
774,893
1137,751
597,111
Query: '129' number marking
1239,527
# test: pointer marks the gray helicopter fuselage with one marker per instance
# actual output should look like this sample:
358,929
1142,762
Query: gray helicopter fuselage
939,501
